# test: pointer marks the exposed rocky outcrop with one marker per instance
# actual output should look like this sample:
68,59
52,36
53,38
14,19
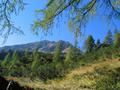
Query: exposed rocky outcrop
43,46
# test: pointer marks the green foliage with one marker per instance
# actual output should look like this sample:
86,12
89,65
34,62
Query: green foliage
108,38
26,53
98,43
55,65
50,71
35,61
57,53
108,79
14,60
117,39
89,44
8,8
78,12
70,57
5,62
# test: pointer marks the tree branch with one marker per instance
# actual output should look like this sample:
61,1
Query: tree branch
69,4
113,8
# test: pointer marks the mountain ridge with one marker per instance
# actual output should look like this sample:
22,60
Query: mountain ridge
42,46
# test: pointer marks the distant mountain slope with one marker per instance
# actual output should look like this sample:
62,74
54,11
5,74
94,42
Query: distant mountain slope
43,46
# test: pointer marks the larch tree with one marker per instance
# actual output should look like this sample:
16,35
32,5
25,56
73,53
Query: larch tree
57,53
78,13
7,9
70,56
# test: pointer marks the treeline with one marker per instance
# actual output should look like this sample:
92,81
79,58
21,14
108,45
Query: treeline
109,40
53,65
37,64
107,49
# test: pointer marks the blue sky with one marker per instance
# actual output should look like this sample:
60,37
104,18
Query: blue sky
95,27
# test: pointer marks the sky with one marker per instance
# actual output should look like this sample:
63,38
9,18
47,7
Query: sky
95,27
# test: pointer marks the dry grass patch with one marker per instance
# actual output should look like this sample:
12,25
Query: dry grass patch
78,79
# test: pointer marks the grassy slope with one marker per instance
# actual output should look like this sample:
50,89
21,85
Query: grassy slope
78,79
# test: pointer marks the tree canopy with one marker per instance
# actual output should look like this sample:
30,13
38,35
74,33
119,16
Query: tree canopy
89,43
117,39
7,9
108,38
57,53
78,13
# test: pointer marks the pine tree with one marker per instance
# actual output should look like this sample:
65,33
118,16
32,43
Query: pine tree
89,43
57,53
117,39
98,43
26,53
14,60
108,38
6,60
35,62
70,56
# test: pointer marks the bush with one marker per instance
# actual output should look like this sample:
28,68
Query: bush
108,80
50,71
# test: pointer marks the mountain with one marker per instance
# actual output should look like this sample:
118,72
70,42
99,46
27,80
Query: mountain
43,46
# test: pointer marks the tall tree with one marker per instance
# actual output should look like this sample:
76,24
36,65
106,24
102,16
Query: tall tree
35,62
98,43
89,43
57,53
117,39
14,60
70,56
6,60
108,38
26,53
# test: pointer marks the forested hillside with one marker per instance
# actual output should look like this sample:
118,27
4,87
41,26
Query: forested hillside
91,63
45,67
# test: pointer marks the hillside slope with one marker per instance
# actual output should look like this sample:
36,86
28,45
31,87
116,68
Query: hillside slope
78,79
43,46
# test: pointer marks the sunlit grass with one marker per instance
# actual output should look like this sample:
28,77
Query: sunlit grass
78,79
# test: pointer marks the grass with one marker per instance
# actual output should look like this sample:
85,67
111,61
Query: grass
78,79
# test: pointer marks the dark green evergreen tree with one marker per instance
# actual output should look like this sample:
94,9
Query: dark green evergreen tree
98,43
70,56
26,53
57,53
14,60
89,43
6,61
35,62
117,39
108,38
